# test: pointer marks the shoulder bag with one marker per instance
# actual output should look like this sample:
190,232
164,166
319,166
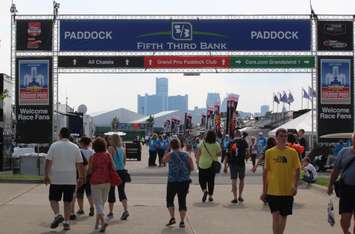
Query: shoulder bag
339,184
215,164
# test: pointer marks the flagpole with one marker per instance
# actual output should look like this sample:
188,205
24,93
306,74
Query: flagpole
302,100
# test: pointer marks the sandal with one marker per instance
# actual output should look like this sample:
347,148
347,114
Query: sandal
171,222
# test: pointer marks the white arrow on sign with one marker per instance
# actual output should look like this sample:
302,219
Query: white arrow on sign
74,62
127,62
238,61
150,62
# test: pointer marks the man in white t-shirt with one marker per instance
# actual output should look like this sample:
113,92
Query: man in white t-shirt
63,161
310,172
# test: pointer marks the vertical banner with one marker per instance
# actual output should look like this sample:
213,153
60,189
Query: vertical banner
231,123
34,98
335,95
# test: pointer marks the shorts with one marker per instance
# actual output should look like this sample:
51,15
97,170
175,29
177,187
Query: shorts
347,200
57,191
237,171
84,188
282,204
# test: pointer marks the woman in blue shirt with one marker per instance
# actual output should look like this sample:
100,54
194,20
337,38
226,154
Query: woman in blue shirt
118,155
180,167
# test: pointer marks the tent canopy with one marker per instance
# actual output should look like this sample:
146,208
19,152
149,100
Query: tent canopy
301,122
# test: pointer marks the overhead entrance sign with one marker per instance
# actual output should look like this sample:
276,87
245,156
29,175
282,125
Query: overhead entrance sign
101,61
187,62
185,35
270,62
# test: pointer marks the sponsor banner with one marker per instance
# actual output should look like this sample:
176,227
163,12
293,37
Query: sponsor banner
335,95
34,35
34,100
33,82
186,62
282,62
185,35
101,62
131,126
335,81
335,36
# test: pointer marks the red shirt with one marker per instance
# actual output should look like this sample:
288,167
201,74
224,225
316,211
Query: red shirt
101,164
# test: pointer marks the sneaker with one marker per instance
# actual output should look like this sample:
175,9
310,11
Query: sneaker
96,227
57,220
103,228
66,226
92,211
110,215
234,201
124,215
240,199
172,221
72,217
204,197
80,212
182,225
210,199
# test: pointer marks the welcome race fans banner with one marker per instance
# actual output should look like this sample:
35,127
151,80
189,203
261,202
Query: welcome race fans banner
335,95
34,98
185,35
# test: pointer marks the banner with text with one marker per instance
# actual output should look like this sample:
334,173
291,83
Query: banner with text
34,35
34,100
335,35
335,95
185,35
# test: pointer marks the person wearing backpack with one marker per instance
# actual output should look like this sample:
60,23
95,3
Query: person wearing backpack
208,152
345,165
180,167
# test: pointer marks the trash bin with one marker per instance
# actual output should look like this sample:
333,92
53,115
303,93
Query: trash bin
32,164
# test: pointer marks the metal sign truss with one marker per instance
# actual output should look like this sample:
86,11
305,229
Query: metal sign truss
56,53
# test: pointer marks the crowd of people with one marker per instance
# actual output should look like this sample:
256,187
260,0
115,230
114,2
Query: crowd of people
72,172
283,158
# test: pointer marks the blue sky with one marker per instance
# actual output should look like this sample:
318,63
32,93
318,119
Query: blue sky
105,92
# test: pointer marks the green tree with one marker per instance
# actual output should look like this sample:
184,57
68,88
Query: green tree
4,94
114,123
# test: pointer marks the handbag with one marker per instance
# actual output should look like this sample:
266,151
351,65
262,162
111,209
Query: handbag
339,184
126,177
215,164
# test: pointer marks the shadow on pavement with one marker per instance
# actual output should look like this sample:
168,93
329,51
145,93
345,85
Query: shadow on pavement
207,204
172,230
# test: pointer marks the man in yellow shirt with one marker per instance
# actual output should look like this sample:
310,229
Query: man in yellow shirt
280,180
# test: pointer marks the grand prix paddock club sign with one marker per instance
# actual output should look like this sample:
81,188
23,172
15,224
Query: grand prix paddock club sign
335,95
34,98
185,35
187,62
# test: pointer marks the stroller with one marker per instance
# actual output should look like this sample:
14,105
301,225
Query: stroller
319,157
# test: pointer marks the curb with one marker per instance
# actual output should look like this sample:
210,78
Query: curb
21,181
319,188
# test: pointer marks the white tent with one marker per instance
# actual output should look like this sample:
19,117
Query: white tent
301,122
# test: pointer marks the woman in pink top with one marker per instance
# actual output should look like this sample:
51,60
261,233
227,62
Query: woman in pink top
100,165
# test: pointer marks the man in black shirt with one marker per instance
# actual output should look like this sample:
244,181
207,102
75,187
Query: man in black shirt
302,141
238,152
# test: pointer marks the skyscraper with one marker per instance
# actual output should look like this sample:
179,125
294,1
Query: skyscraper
162,90
264,109
178,103
212,99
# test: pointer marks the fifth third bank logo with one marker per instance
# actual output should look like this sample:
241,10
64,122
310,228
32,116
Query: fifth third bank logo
181,31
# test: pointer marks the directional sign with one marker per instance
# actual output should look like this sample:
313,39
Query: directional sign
272,62
186,62
101,62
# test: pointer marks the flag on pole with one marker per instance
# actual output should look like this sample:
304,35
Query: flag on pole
276,99
284,97
305,94
311,92
290,98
